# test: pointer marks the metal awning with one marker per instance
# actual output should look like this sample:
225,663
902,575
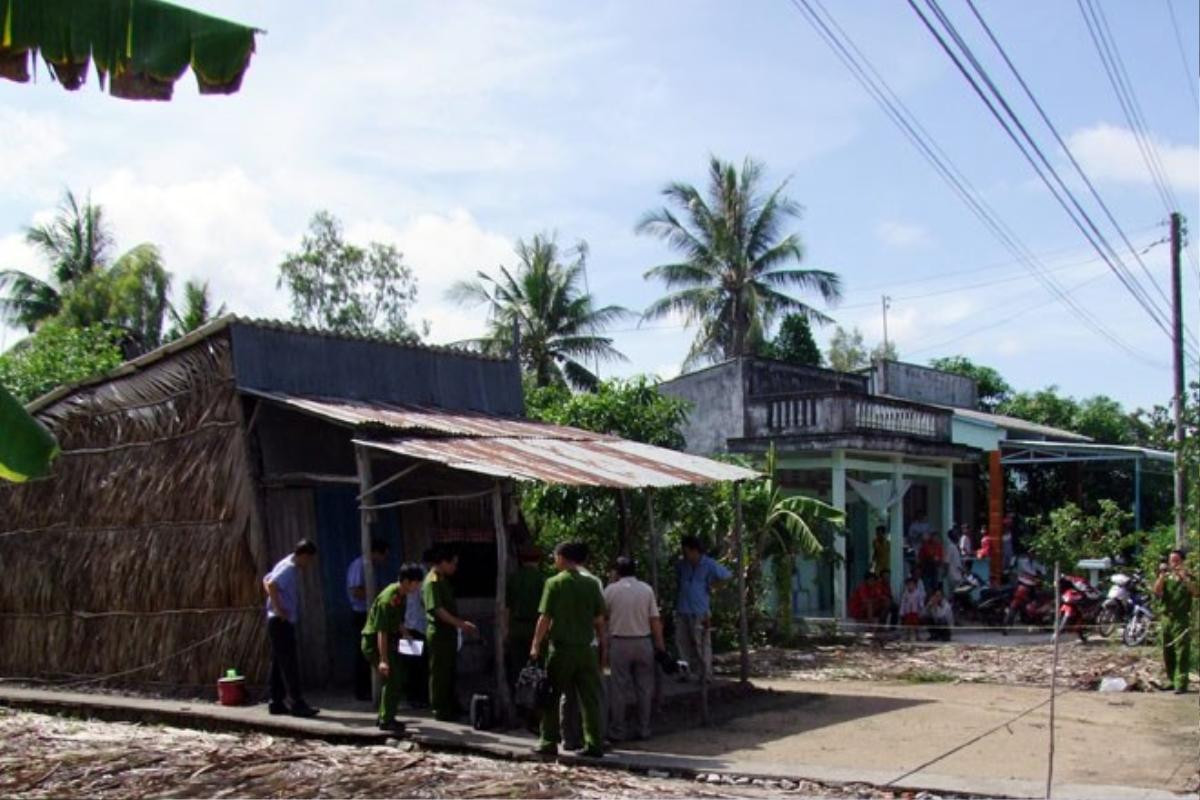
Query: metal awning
507,447
602,461
1017,452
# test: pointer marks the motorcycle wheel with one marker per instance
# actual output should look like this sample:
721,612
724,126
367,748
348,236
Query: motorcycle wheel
1010,616
1137,630
1106,622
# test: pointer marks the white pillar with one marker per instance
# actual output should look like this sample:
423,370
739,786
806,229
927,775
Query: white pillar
948,502
896,531
839,542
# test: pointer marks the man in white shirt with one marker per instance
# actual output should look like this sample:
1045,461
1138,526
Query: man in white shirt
356,593
636,633
954,563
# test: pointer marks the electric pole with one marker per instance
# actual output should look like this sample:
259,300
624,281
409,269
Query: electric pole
1180,386
887,303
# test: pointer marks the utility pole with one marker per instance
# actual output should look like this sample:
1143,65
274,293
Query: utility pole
887,303
1180,386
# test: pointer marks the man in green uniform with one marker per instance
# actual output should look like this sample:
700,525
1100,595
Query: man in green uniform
441,634
385,622
1176,588
571,616
523,594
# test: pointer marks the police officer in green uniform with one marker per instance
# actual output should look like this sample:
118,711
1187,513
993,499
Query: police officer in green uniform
571,616
523,595
385,622
441,634
1176,588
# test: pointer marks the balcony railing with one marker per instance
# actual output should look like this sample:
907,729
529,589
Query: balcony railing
844,413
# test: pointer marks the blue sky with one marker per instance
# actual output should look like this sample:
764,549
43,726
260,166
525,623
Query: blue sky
453,128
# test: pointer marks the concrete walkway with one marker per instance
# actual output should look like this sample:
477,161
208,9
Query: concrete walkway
681,754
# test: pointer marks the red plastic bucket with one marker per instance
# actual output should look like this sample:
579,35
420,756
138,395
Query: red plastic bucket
231,691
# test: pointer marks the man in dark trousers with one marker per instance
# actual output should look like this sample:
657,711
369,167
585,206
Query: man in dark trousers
282,585
523,594
441,634
571,617
356,593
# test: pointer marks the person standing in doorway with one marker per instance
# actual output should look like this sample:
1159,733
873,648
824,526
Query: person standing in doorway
929,562
417,667
953,561
1177,589
441,634
571,617
523,594
636,635
381,635
697,575
356,593
881,551
282,585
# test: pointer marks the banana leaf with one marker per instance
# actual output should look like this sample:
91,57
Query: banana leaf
26,448
141,47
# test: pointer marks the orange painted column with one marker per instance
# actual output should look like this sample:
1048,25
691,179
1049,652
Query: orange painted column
996,515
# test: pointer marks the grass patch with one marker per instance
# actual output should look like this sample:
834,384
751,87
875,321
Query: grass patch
926,676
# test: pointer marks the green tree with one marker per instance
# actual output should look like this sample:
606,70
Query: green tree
58,354
1067,534
74,245
338,286
542,300
993,389
847,353
130,297
195,312
736,261
794,343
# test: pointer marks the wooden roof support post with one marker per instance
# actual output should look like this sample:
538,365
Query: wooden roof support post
743,616
996,516
655,545
505,707
362,459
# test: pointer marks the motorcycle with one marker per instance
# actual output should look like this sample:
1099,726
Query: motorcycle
1032,603
1118,606
1137,627
970,601
1080,604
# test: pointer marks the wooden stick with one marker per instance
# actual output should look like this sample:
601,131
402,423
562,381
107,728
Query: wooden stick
363,460
743,618
1053,686
506,710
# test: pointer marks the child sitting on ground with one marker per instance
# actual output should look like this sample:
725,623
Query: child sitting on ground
912,603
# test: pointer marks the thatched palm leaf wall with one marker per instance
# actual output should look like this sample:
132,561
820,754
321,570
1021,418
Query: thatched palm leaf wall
143,542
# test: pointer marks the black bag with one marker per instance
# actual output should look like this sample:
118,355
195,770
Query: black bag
668,665
533,688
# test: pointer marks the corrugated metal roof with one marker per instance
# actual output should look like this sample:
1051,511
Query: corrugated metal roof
425,419
600,461
1015,425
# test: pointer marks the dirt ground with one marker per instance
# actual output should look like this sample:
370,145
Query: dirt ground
52,757
892,729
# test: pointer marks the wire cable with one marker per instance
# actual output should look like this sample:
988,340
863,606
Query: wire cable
1187,69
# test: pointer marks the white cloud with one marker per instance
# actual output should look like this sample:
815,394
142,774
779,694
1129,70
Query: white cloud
901,234
32,142
1109,152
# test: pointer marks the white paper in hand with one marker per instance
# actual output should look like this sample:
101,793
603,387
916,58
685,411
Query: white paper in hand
410,647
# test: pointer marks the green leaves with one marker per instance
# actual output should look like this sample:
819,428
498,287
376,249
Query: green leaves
58,354
26,448
542,300
1068,534
341,287
737,259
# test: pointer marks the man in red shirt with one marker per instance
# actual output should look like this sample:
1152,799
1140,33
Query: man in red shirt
929,562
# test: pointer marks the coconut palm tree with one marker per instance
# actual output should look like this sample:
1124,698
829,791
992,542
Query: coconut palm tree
75,244
556,321
196,310
737,263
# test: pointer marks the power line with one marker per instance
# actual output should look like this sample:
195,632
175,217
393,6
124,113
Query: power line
1037,159
1187,69
1058,138
860,67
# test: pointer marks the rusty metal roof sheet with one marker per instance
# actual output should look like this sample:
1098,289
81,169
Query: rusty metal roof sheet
596,461
436,421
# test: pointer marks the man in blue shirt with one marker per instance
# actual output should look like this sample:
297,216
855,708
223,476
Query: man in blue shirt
356,593
282,585
697,575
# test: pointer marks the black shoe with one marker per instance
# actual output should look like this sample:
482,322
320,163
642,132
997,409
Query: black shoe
305,711
546,750
1181,691
276,709
592,752
391,725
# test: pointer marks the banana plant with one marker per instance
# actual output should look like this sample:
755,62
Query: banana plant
26,448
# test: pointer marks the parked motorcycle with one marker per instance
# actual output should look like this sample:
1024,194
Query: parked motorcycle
1080,604
975,601
1137,627
1032,603
1118,606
